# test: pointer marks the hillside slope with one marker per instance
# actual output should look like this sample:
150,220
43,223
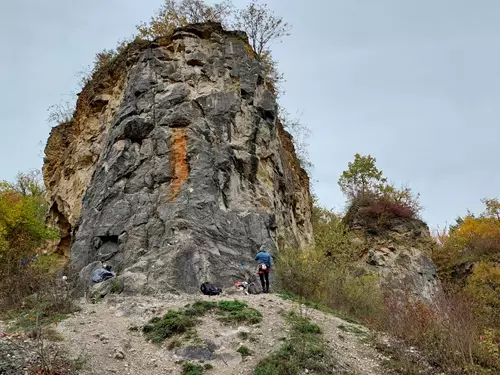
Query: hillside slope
103,329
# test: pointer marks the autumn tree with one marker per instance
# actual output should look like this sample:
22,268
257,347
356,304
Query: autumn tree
176,13
492,209
22,232
261,25
28,184
468,256
472,237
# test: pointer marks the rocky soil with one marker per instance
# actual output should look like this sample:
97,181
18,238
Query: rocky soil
104,335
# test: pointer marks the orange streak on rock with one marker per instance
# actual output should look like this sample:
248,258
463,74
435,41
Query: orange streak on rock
178,161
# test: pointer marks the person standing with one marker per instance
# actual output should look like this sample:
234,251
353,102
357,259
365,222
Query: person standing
264,262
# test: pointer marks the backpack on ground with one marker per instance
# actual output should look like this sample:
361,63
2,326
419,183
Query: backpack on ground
210,290
254,288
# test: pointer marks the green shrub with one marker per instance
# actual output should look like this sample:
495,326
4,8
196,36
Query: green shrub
23,233
232,306
238,312
303,325
172,323
200,308
244,351
189,368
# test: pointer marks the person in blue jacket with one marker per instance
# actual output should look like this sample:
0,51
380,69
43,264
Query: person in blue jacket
265,263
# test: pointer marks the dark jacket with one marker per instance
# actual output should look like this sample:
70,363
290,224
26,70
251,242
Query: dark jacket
264,257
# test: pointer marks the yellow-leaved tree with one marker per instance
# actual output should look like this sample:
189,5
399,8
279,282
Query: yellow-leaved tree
469,255
22,233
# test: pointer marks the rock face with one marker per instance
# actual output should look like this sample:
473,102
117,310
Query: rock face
395,250
175,169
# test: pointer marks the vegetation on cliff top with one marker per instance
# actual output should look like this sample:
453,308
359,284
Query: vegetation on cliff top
257,20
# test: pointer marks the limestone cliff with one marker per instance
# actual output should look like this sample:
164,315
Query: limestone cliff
175,168
395,249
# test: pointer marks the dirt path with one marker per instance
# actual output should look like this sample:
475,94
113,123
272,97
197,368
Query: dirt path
102,334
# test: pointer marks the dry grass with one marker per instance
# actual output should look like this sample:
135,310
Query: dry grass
448,333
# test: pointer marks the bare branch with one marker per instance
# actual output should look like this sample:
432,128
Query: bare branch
261,25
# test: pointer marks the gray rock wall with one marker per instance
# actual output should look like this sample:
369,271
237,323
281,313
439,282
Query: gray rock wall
194,171
397,253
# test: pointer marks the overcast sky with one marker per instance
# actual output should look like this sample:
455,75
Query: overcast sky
414,83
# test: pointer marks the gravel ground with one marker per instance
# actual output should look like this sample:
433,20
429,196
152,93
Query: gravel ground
101,333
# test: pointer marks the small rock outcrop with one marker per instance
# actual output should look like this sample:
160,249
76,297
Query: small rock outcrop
395,249
175,168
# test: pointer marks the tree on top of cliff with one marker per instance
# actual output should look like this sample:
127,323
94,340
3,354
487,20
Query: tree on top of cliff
361,177
258,21
364,185
175,13
261,25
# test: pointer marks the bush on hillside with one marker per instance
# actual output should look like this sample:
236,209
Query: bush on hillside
330,236
448,331
484,287
313,276
468,256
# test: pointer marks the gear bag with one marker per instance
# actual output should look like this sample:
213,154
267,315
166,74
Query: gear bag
210,290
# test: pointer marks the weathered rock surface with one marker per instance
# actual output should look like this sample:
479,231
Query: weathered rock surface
395,249
181,165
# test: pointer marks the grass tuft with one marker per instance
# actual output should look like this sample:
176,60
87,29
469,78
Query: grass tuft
189,368
304,350
172,323
244,351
